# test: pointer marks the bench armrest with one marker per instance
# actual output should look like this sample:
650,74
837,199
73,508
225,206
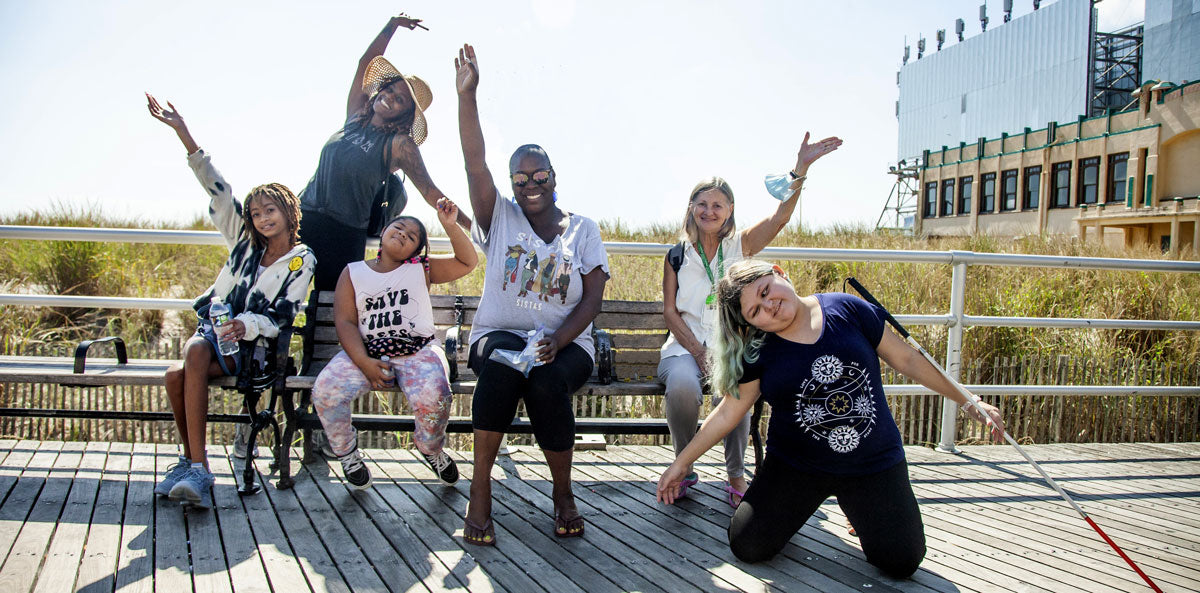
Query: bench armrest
82,348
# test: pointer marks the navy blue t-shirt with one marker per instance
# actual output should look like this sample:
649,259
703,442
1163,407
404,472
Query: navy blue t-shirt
828,410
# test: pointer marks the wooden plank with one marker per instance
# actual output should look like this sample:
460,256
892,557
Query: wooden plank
351,561
63,557
696,566
245,569
345,505
1034,509
619,488
29,464
651,341
1083,546
985,522
319,568
563,557
97,571
447,510
172,565
611,557
1118,522
833,557
210,572
281,563
626,321
99,371
443,546
512,536
21,567
135,565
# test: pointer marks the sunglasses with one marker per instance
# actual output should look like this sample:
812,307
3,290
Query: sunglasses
538,177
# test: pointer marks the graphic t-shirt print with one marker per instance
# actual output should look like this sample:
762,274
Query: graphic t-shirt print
538,272
836,404
386,327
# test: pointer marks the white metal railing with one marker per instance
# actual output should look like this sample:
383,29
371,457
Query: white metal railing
955,321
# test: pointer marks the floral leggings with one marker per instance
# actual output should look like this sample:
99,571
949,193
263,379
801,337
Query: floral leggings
424,379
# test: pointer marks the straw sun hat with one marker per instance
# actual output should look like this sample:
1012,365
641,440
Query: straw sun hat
380,72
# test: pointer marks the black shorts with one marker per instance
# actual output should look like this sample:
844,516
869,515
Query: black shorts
547,390
333,244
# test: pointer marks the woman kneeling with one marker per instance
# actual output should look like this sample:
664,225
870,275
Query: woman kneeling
816,361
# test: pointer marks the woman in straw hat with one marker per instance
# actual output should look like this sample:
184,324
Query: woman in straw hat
710,243
562,249
385,123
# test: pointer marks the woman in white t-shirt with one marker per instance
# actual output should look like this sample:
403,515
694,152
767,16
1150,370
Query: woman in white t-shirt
546,268
710,243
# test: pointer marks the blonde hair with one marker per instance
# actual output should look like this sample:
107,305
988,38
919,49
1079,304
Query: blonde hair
736,341
691,233
285,200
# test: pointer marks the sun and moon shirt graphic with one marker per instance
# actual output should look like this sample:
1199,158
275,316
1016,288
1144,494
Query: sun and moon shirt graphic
536,275
836,404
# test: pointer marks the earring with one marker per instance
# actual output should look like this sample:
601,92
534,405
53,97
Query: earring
379,255
554,196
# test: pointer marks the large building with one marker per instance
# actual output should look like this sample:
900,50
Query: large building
1131,177
1003,115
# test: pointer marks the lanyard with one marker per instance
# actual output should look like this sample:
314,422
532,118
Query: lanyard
720,261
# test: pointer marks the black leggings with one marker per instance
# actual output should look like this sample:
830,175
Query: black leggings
334,244
547,391
881,507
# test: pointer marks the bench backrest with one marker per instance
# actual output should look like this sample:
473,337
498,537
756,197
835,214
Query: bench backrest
637,329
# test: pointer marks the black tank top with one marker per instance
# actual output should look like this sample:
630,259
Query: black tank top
351,170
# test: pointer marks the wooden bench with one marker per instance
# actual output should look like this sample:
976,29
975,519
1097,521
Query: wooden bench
627,354
81,371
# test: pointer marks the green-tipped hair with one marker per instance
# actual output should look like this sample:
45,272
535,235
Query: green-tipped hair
736,341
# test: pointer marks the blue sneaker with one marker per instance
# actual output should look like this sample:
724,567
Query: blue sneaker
174,473
194,488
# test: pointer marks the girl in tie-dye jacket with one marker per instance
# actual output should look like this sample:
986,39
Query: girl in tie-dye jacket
264,282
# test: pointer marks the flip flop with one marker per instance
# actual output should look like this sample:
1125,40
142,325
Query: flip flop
565,526
688,481
487,529
731,491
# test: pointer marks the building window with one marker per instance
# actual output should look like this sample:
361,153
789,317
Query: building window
1089,181
947,197
930,209
987,194
1117,169
964,194
1060,185
1008,188
1032,187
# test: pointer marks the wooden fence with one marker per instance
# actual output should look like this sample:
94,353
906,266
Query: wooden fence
1032,419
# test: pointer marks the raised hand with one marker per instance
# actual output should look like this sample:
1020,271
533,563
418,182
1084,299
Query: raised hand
447,212
169,116
173,118
403,20
467,79
809,153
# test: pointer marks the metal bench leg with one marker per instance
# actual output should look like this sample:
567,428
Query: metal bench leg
283,448
249,473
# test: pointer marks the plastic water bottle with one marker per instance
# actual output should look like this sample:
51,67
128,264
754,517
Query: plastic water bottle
218,312
387,373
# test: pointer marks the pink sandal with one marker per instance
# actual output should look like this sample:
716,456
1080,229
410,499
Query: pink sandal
734,492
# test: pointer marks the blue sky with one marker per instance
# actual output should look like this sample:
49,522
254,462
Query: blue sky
635,101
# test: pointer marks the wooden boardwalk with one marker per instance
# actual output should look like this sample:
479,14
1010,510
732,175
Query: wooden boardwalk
82,516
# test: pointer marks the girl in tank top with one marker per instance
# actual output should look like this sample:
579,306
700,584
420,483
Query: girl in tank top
382,309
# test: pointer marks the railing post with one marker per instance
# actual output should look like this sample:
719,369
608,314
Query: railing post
958,290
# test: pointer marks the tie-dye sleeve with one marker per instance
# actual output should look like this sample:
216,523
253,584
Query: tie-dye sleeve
223,208
265,319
